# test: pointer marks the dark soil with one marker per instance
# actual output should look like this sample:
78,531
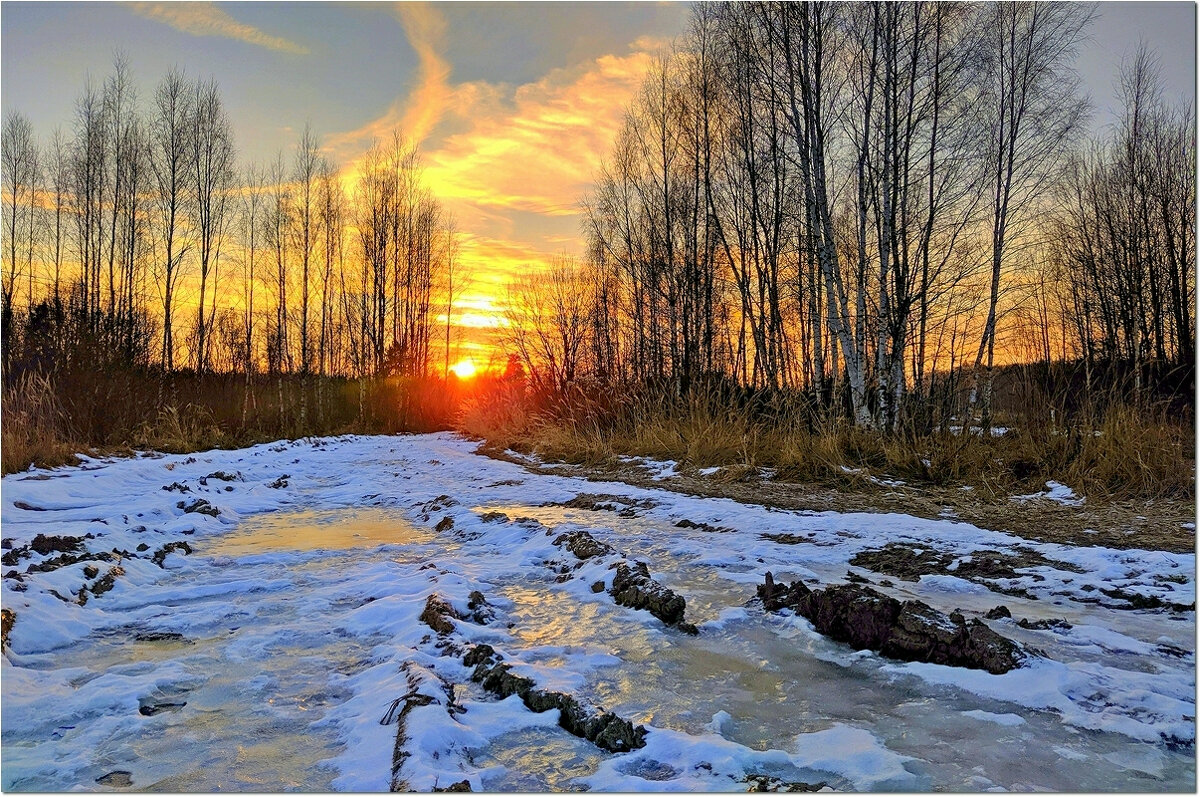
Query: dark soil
910,631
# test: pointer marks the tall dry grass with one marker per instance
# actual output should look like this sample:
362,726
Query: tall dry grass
34,427
46,419
1123,452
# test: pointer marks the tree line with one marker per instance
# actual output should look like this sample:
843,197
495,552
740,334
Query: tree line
138,237
866,201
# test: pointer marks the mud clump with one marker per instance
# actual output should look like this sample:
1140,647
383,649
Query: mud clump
107,581
783,538
8,619
462,785
439,614
45,544
118,779
602,728
603,502
1045,625
691,524
445,524
910,631
66,559
770,783
425,688
583,545
161,554
439,504
910,564
199,506
222,476
150,709
1134,600
633,587
161,636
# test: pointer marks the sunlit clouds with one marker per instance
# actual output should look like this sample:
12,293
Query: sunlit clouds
206,19
416,112
510,162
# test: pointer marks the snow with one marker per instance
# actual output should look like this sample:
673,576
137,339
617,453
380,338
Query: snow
1008,720
1056,492
299,606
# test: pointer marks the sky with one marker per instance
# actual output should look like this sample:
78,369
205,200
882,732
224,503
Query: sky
513,104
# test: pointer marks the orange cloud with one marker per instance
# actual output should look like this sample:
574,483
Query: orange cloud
206,19
535,148
415,114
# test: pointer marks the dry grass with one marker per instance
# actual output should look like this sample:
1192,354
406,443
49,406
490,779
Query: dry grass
46,420
1129,454
1135,467
34,426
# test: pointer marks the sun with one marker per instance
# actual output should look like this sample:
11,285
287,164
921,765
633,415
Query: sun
464,369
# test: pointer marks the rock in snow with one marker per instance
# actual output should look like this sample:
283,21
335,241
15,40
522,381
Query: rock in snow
910,631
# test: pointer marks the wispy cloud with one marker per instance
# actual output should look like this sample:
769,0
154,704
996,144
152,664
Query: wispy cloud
536,148
510,162
416,113
206,19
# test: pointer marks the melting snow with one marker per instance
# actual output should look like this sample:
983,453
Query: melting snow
292,626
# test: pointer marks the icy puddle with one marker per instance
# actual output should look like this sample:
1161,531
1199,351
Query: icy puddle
219,691
280,653
770,682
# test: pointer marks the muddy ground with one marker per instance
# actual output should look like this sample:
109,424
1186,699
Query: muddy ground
1161,524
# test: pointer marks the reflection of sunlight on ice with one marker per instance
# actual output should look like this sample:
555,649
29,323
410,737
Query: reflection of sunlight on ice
311,530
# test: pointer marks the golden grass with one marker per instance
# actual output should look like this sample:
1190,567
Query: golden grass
34,427
1130,453
46,420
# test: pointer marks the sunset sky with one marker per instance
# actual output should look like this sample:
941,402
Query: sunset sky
513,104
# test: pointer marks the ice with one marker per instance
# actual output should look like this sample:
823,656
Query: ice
1055,491
1000,719
296,623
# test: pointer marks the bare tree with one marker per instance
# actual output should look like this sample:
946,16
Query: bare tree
1033,108
171,155
305,173
213,164
548,321
19,161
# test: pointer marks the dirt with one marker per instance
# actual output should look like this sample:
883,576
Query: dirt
632,584
602,728
1154,525
910,630
909,564
161,554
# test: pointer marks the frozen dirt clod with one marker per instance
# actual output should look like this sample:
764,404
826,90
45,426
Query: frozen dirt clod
439,614
460,786
199,506
602,728
161,554
117,779
425,688
910,631
583,545
633,587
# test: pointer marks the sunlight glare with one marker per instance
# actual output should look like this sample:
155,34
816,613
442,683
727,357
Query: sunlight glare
464,369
